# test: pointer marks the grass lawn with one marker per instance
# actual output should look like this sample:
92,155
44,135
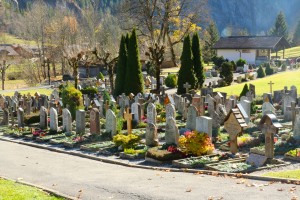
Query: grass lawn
293,174
31,91
289,53
176,69
10,190
10,39
282,79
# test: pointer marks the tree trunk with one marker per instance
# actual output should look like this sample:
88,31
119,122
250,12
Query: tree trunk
54,68
62,66
111,78
157,77
3,78
173,56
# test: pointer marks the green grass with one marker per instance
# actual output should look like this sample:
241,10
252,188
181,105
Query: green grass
293,174
10,190
10,39
289,53
31,91
282,79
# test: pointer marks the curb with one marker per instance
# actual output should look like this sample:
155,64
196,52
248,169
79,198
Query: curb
186,170
50,191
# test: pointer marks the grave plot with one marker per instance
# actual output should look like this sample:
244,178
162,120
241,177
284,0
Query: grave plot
293,155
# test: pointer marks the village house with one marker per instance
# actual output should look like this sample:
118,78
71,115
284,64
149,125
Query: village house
253,49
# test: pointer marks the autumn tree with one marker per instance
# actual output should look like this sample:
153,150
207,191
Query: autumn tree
3,69
211,36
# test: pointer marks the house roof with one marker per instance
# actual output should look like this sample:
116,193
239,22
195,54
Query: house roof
10,51
252,42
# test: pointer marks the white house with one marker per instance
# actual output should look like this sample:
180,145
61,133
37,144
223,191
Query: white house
254,49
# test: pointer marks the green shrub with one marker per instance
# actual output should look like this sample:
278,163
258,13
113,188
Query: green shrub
120,124
244,91
126,141
269,70
283,67
241,62
72,98
32,118
234,66
100,76
261,72
91,91
218,61
226,73
159,108
171,81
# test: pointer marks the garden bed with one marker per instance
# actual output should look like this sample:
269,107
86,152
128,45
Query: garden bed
132,156
49,137
240,166
96,146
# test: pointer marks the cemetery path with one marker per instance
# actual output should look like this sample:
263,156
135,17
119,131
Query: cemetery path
89,179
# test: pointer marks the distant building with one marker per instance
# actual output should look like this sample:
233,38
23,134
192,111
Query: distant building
254,49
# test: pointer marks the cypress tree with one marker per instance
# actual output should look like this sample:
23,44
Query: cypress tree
186,72
244,91
134,81
197,59
121,70
226,73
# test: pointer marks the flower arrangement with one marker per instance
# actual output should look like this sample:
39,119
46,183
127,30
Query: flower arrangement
126,141
195,143
38,133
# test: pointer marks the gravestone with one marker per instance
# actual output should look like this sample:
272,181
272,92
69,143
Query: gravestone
94,121
187,87
199,104
176,100
294,110
267,108
28,107
278,95
20,115
43,118
191,118
256,160
296,132
4,121
247,107
269,125
170,111
211,104
204,125
80,121
293,92
128,117
151,113
287,100
151,135
136,110
206,91
53,120
267,97
67,120
111,122
172,133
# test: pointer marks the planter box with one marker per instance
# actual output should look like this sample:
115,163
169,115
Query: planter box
131,157
293,158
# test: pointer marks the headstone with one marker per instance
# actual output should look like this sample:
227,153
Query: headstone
187,87
151,135
293,92
191,118
4,121
286,103
206,91
53,120
151,113
294,110
136,110
256,160
278,95
267,97
94,121
170,111
28,107
128,117
247,107
267,108
172,133
80,121
204,125
111,122
43,118
198,102
67,120
210,105
20,115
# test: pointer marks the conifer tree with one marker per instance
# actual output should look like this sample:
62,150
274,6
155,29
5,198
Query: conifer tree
280,27
134,81
296,37
186,72
226,73
244,91
121,70
197,60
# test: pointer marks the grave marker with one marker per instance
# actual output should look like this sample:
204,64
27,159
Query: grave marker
128,118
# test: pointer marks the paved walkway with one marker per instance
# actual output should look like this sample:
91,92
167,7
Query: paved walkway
89,179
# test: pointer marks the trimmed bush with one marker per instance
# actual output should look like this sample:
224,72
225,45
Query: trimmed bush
126,141
269,70
73,98
240,62
226,73
261,72
171,81
218,61
91,91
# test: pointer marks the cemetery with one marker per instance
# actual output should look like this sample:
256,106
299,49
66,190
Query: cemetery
207,131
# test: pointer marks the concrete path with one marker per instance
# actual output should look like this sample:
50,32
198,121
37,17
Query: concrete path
89,179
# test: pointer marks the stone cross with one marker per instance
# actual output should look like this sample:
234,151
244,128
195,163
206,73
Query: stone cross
271,84
128,118
187,86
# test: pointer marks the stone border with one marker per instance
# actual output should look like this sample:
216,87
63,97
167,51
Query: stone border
167,169
50,191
